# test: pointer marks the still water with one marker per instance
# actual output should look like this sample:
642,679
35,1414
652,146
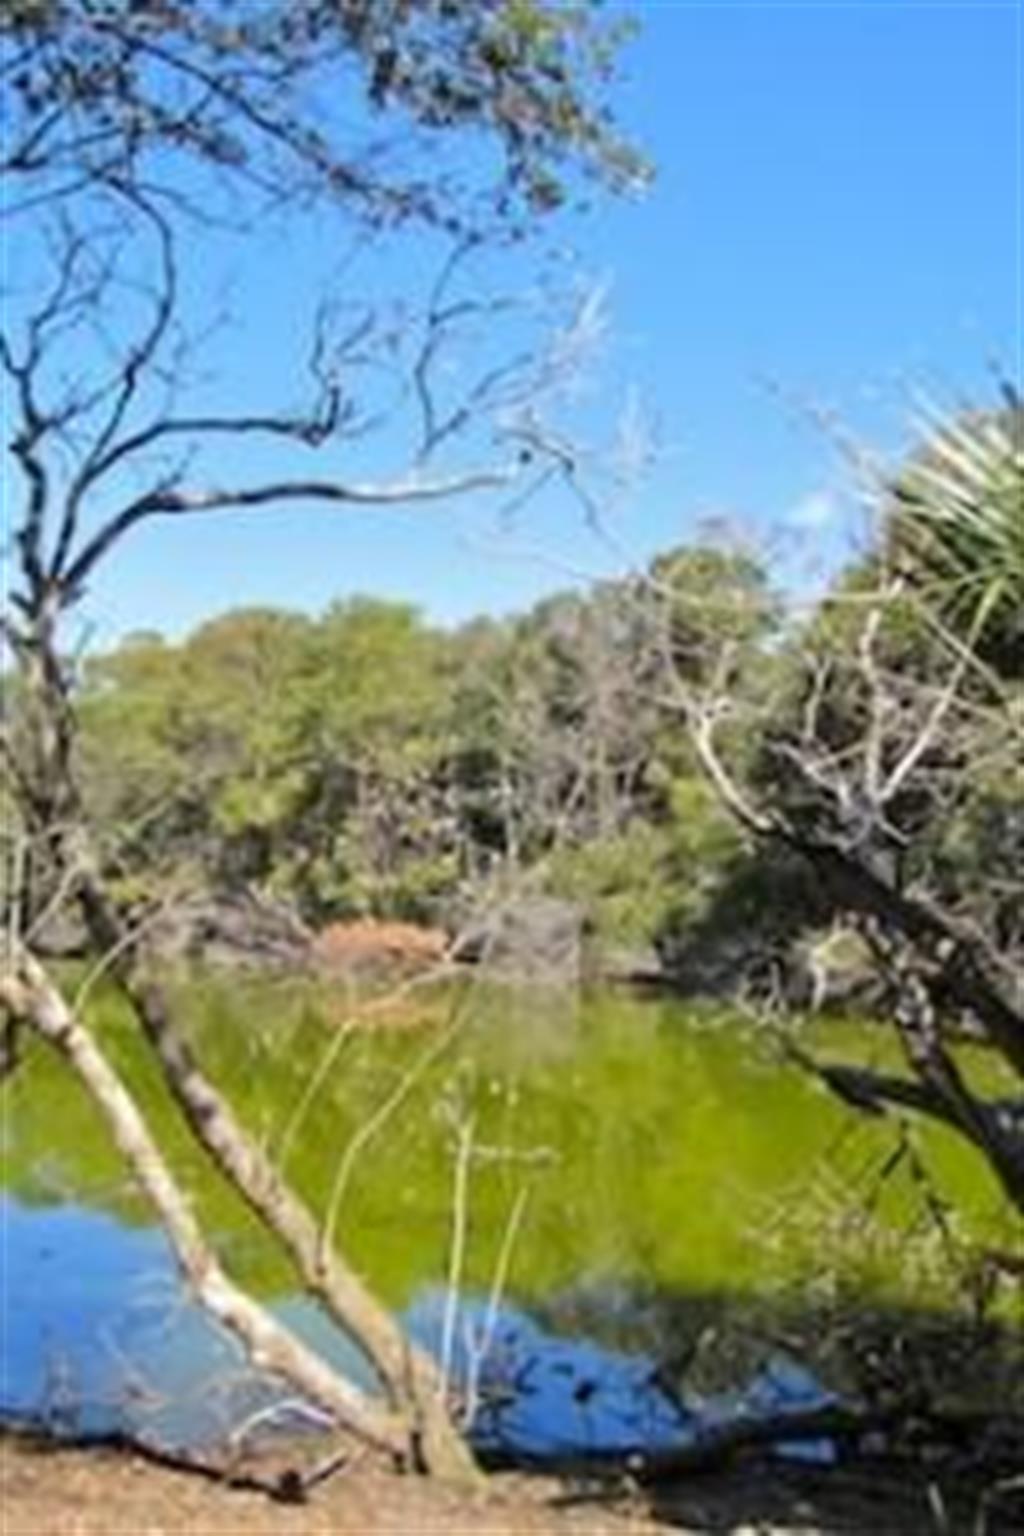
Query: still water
656,1213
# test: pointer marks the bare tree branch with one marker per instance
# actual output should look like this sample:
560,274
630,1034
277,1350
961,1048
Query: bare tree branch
169,502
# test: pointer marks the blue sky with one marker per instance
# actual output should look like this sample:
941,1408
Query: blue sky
836,215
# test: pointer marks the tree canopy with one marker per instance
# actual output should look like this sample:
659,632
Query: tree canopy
128,93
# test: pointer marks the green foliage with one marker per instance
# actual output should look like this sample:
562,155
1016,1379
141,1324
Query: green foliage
704,847
887,724
234,89
366,763
623,883
712,599
193,751
654,881
130,697
957,523
376,694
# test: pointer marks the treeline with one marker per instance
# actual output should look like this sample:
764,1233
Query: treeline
367,763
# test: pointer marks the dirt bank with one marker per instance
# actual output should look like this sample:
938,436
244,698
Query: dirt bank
46,1491
51,1492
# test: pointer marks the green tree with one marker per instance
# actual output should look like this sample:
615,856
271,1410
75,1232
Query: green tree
237,725
376,724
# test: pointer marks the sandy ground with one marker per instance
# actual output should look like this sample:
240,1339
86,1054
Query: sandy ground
64,1492
47,1492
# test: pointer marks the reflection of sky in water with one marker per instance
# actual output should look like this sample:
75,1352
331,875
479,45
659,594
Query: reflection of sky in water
96,1335
96,1332
540,1392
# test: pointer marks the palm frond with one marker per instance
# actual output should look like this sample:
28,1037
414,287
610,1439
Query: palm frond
958,528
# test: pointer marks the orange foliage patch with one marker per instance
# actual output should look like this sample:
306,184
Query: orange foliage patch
367,941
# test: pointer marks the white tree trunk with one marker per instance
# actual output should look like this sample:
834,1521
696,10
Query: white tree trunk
26,992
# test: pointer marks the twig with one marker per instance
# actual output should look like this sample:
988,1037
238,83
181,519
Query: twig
457,1250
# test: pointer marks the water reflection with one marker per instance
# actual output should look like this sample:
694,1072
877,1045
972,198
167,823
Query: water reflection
98,1337
670,1176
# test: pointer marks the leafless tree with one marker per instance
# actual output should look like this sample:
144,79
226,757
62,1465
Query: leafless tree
105,442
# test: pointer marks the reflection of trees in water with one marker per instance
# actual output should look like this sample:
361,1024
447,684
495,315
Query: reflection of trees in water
652,1146
882,1355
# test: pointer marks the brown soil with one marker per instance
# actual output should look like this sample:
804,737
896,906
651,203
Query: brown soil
48,1491
61,1492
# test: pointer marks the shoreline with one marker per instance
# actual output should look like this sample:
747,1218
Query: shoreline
50,1489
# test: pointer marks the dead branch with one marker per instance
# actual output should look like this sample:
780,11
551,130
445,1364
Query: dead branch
170,501
288,1487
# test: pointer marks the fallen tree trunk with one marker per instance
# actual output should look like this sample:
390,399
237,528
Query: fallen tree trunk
410,1381
408,1377
28,994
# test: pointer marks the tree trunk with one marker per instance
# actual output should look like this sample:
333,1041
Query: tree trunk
28,994
408,1376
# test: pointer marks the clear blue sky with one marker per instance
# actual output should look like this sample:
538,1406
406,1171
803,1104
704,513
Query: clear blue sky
837,212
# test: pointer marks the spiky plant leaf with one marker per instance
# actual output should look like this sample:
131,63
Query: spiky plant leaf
958,528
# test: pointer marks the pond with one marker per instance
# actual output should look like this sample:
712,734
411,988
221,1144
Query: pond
658,1214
